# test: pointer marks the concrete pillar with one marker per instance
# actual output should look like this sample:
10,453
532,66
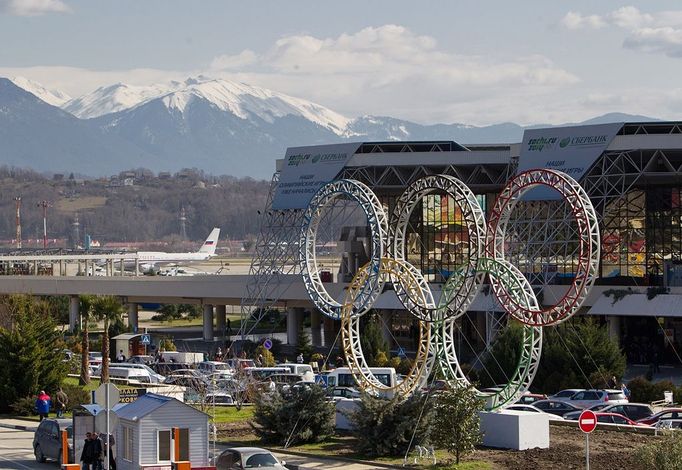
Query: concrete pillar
614,328
208,322
330,330
132,316
294,321
385,324
220,319
73,312
315,331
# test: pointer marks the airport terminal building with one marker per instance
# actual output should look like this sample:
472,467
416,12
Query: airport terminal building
632,173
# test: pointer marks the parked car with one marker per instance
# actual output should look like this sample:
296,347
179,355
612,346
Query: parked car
141,359
588,398
47,441
555,407
530,398
167,368
567,393
344,392
238,458
615,418
534,409
668,424
633,411
144,370
219,399
668,413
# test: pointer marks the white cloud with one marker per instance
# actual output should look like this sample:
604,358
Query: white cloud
33,7
574,20
659,32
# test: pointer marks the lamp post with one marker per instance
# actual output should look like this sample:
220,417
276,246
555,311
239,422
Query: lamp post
44,205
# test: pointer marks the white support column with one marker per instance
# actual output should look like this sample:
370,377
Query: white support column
294,320
73,312
614,328
221,316
132,316
385,323
208,322
315,330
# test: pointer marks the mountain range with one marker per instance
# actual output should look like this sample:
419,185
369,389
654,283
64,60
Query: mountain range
216,125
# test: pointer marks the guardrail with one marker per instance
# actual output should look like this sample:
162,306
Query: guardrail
60,265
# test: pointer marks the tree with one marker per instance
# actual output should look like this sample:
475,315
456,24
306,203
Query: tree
109,309
577,353
85,310
456,424
372,340
386,427
303,347
268,360
297,416
502,359
29,350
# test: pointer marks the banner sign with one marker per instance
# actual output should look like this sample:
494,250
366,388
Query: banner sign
571,149
307,169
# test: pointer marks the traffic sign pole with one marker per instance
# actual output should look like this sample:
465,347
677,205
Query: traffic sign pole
106,456
587,451
587,422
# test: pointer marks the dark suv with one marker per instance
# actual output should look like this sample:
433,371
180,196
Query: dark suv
47,442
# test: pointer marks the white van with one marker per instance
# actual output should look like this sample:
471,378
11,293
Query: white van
262,373
154,377
212,367
128,374
342,377
303,370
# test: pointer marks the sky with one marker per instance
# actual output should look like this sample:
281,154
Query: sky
428,61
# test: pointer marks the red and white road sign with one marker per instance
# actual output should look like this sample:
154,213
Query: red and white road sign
587,421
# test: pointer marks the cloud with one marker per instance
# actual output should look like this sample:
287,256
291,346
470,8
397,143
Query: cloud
33,7
659,32
574,20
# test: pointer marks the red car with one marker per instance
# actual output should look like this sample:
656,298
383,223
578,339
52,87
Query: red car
668,413
615,418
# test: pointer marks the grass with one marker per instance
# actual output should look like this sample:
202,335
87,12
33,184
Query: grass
81,203
230,414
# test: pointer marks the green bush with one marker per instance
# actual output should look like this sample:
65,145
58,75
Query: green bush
24,406
298,416
644,391
663,454
385,427
77,396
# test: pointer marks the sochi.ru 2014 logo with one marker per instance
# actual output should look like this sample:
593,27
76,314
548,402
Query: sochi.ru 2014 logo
564,142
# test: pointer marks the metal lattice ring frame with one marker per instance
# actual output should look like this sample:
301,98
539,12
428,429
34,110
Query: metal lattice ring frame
377,221
462,286
415,283
444,342
588,238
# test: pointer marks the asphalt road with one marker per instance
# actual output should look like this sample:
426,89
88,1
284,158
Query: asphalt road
16,451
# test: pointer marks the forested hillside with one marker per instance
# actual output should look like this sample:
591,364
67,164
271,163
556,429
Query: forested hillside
132,206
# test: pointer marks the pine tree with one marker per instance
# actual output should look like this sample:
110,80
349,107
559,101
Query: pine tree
456,424
372,341
304,346
29,351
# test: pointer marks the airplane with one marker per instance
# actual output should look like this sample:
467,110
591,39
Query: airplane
148,259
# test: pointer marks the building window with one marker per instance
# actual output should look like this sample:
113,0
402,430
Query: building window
127,443
184,445
164,446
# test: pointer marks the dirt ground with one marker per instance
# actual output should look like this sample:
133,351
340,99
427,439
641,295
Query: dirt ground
608,450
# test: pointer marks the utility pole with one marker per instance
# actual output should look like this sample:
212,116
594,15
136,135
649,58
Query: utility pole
17,201
44,205
183,220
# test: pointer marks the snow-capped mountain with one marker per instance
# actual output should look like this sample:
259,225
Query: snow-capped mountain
242,100
53,97
113,98
220,126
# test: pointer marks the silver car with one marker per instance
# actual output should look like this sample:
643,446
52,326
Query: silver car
238,458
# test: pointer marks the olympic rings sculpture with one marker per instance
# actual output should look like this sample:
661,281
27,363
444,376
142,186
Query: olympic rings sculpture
437,317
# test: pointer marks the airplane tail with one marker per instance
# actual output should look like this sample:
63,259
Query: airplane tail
211,242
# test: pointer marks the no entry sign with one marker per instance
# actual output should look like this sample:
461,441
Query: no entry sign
587,421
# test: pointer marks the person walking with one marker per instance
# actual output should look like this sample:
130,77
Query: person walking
43,403
98,464
299,358
88,454
62,400
121,357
